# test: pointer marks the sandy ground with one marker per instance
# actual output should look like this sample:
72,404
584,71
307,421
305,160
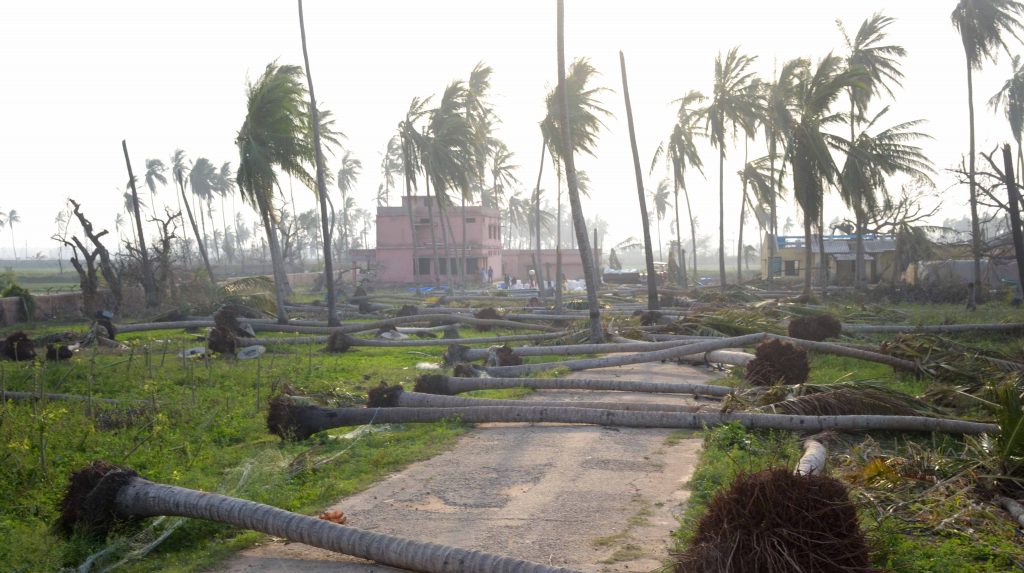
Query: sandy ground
584,497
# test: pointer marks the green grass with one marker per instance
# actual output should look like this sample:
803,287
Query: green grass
207,432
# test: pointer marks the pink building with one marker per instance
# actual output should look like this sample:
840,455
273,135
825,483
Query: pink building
394,262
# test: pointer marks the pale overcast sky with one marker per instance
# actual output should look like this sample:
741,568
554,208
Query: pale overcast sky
81,76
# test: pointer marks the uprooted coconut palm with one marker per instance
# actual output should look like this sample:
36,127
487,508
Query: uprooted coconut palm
778,362
848,399
220,340
338,342
776,521
502,355
488,313
818,327
451,385
947,360
102,495
385,396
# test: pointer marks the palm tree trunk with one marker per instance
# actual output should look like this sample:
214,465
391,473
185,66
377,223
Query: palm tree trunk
446,225
398,398
148,281
125,495
808,254
558,250
652,275
433,234
301,421
822,258
590,275
199,239
693,229
412,220
321,184
860,273
721,215
1014,202
743,214
975,225
464,242
774,223
536,208
276,262
679,237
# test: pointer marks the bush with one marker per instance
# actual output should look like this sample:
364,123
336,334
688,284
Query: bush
27,309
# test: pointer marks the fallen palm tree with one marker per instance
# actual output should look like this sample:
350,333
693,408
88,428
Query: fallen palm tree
34,396
102,495
396,397
309,328
931,328
616,348
637,358
451,385
354,341
849,399
289,419
812,462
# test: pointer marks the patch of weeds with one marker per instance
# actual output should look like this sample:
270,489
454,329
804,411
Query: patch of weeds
627,552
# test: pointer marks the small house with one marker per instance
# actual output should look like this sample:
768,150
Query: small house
790,257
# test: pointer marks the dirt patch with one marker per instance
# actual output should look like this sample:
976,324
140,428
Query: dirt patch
586,497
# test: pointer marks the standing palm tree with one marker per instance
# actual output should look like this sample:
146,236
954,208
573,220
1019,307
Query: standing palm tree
579,222
659,200
12,217
502,172
347,176
274,135
321,180
390,165
481,120
585,112
872,158
732,105
201,181
155,170
1011,98
779,102
880,63
982,25
810,154
410,140
681,149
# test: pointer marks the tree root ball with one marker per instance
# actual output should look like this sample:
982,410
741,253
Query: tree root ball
57,352
102,324
487,314
432,384
776,361
289,419
817,328
503,356
408,310
649,318
88,506
221,341
455,354
467,370
338,342
451,332
776,521
383,396
18,346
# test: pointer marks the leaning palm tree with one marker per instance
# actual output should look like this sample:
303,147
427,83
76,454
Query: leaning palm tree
155,170
390,165
202,180
347,176
681,149
881,66
870,159
273,136
810,151
481,119
1011,99
732,106
568,146
983,26
503,176
410,141
585,114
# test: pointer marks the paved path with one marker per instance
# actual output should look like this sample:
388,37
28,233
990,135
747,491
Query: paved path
585,497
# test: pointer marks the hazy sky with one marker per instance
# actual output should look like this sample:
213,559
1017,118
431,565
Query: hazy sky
81,76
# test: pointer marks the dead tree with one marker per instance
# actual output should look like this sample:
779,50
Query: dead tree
106,266
87,274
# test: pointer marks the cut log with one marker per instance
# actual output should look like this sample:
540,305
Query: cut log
353,341
300,421
1015,509
932,328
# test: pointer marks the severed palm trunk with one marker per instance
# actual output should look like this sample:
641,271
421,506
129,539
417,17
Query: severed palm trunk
680,258
122,494
200,243
276,263
638,358
536,208
299,421
449,385
396,397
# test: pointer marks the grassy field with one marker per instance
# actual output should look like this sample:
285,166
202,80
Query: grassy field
199,424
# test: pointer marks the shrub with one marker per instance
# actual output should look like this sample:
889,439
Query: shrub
27,308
